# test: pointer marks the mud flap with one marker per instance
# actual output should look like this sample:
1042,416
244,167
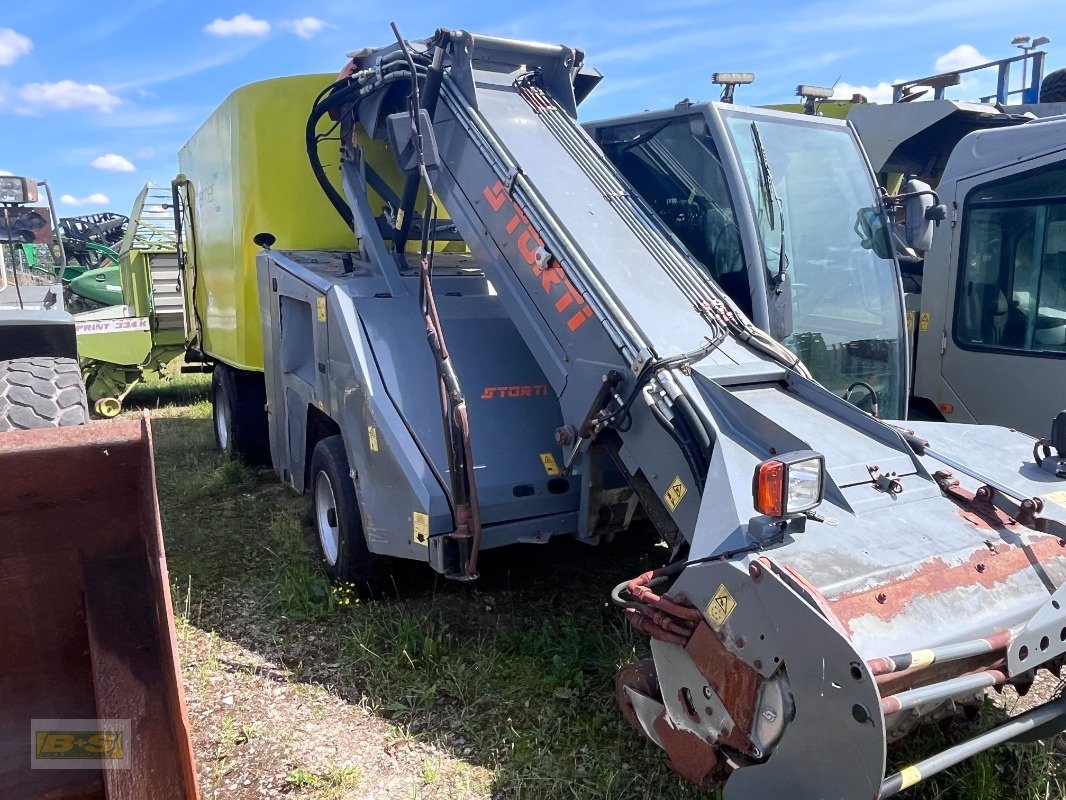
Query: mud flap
87,629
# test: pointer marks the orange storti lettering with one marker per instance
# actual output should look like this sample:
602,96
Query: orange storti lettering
531,247
521,390
496,196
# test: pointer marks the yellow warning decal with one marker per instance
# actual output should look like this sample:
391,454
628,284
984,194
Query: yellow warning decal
550,465
420,527
922,658
320,302
1059,498
372,435
675,493
923,321
910,776
721,607
910,320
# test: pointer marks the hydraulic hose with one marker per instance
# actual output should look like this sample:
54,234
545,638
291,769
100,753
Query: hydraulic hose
431,93
331,97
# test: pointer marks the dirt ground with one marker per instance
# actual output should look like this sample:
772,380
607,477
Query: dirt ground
502,689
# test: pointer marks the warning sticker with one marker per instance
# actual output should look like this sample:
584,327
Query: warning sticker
675,493
550,465
321,302
910,320
721,607
1059,498
372,435
923,322
420,527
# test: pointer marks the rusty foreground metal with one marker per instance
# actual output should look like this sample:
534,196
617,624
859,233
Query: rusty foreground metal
719,696
86,630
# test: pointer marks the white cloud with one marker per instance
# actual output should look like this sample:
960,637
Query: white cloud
240,25
113,162
5,172
95,199
64,95
13,45
306,27
961,57
881,93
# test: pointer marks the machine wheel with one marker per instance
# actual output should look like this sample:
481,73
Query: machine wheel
335,510
238,410
1053,87
41,393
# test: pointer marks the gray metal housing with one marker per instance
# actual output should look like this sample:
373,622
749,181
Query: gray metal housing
348,350
1019,389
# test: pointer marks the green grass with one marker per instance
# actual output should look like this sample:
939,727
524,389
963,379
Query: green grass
513,673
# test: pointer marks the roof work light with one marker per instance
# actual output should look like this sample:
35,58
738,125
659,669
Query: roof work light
729,81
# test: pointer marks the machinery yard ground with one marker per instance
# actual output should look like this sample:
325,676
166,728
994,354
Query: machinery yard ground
431,689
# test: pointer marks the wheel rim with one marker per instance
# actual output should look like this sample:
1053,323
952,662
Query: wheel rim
108,407
326,521
222,420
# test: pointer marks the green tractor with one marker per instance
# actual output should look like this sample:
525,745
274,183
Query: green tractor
142,329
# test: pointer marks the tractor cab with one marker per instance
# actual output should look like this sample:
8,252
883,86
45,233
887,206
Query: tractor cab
782,212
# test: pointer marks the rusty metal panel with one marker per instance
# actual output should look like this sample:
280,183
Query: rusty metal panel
86,630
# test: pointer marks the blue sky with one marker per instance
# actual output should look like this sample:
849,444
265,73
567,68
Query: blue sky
99,96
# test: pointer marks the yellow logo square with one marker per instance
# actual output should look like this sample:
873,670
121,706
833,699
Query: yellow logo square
420,527
721,607
550,465
93,745
675,493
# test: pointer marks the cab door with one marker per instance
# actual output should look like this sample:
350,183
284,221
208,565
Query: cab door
1004,343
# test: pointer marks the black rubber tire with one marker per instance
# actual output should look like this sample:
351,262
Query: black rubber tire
238,414
41,392
354,563
1053,87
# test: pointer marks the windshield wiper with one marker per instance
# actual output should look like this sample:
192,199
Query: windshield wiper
772,200
628,144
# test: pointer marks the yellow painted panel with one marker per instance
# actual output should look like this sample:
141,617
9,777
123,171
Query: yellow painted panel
248,172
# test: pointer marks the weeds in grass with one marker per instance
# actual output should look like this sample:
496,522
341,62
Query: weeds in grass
298,778
231,476
297,589
335,780
430,769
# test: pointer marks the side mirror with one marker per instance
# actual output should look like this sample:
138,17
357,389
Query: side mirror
922,211
779,302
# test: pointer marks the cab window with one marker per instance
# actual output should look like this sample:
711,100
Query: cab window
675,166
1012,275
